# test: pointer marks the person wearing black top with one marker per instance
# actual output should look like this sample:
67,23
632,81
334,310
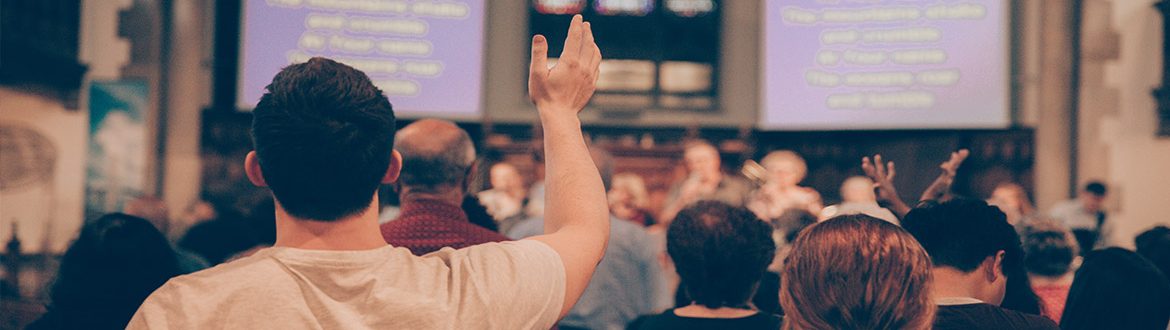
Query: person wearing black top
720,253
973,250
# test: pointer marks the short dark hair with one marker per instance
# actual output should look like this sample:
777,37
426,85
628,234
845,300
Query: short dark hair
434,165
961,233
323,135
1117,289
115,263
1154,244
1096,188
720,252
1048,251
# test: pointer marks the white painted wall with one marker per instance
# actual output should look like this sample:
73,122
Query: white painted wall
50,212
1138,161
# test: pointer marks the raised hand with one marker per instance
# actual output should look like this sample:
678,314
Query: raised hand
883,180
567,86
951,166
941,187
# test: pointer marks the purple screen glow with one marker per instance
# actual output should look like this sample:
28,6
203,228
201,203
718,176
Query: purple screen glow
885,64
426,55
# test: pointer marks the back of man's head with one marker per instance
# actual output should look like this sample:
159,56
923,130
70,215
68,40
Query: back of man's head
1096,188
437,156
720,252
323,135
962,233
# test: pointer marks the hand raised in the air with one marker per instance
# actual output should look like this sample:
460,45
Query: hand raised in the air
567,86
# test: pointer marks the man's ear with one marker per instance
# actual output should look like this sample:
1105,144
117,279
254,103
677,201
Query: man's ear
252,169
993,266
394,169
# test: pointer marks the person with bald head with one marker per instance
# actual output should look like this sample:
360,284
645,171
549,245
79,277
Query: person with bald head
438,160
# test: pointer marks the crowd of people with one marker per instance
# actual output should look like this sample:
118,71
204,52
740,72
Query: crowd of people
583,250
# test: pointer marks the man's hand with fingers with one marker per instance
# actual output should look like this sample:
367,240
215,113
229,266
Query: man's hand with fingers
882,175
567,86
940,189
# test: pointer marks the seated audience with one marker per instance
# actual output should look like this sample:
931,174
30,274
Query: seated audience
1085,216
1117,289
857,197
1154,244
720,253
973,250
626,284
628,199
114,264
856,272
1049,251
437,159
323,135
782,191
705,181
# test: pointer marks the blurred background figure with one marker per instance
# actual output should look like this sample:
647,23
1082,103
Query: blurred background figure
506,199
784,232
858,197
1117,289
857,272
782,191
705,181
1011,198
1049,254
628,199
1085,215
114,264
627,283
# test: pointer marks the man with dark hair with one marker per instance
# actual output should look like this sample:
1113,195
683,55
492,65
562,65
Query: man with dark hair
721,253
1085,216
972,248
438,161
1154,244
627,283
323,135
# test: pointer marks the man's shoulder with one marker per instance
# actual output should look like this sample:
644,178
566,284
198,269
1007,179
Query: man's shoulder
236,272
986,316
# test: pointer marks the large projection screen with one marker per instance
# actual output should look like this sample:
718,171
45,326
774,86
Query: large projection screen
427,56
885,64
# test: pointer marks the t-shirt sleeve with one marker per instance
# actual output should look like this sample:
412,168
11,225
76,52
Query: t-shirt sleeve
509,285
153,312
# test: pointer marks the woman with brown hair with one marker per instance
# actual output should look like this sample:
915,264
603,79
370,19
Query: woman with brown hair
856,272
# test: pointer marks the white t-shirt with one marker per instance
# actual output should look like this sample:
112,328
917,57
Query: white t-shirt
510,285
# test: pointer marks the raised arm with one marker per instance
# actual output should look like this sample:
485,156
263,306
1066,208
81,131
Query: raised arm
883,179
576,212
941,187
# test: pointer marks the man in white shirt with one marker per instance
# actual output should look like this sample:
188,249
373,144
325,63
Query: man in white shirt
1085,216
323,135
